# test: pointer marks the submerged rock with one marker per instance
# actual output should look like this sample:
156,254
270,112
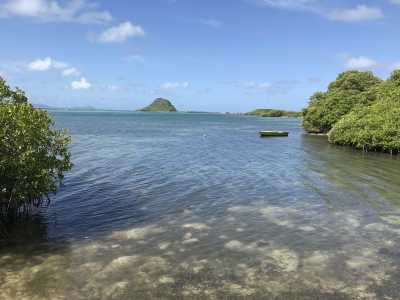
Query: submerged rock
137,233
196,226
116,291
286,259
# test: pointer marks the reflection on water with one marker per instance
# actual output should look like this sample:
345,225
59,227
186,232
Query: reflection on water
198,207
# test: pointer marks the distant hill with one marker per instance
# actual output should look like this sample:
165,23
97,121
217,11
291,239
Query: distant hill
267,112
160,105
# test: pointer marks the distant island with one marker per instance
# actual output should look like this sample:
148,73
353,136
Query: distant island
277,113
160,105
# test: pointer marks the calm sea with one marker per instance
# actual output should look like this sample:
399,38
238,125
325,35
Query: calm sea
198,206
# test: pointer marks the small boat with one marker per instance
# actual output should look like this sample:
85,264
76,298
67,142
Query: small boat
267,133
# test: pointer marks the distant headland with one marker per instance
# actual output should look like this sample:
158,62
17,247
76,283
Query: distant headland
160,105
267,112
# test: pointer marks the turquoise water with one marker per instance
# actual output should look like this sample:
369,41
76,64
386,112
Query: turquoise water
197,206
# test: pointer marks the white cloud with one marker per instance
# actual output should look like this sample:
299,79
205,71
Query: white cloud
40,64
46,64
171,86
361,63
353,14
94,17
70,72
357,14
81,84
79,11
120,33
397,2
289,4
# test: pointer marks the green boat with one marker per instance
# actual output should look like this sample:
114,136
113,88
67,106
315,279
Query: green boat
267,133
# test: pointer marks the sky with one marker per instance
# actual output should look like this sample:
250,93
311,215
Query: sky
203,55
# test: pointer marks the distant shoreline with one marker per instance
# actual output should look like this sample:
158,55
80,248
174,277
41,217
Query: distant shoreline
52,109
84,109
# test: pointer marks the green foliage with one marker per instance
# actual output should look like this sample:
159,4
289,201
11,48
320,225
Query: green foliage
266,112
8,95
395,77
349,90
160,105
353,82
33,156
371,128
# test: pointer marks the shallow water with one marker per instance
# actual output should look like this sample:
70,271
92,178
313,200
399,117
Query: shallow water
196,206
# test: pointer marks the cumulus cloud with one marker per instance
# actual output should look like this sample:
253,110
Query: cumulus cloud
79,11
361,63
171,86
70,72
46,64
81,84
120,33
357,14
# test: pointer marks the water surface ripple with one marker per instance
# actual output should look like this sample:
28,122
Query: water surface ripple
197,206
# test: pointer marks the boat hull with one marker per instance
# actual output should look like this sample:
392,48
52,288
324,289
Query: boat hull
274,133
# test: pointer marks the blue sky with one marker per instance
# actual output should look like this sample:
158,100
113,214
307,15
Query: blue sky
208,55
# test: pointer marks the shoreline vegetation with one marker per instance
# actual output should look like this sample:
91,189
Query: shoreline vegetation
33,155
274,113
358,110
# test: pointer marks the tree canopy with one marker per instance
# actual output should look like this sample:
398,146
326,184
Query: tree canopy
349,90
358,110
33,155
9,95
374,127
